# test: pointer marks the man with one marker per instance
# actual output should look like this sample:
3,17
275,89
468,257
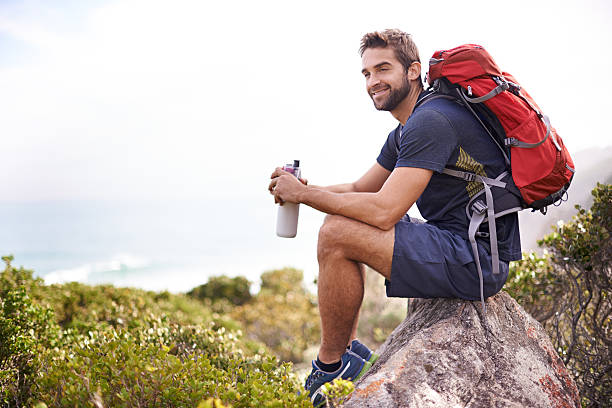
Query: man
367,222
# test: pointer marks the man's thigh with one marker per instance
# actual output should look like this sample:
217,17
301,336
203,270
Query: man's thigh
358,242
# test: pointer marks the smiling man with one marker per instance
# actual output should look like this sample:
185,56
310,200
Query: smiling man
367,222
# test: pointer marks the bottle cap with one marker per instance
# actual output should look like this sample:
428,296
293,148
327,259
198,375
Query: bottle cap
296,163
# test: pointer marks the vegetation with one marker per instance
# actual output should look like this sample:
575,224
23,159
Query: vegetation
337,391
25,330
111,347
379,315
283,315
236,291
568,291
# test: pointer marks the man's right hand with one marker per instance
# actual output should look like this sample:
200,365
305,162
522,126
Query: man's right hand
286,189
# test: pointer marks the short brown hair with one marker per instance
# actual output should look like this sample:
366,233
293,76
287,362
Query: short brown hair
405,49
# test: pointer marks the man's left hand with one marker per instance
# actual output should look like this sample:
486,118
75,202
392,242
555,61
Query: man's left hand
285,187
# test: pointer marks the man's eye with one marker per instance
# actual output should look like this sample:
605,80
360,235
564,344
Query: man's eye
366,74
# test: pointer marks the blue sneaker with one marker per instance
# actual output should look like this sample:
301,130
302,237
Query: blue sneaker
363,351
352,368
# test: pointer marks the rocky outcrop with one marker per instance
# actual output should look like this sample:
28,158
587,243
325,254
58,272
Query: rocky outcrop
447,354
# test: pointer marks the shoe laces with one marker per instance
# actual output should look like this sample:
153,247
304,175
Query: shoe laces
313,377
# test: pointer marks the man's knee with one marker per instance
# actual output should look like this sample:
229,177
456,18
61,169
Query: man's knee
330,234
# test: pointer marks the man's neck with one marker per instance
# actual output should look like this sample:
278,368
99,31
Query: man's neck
403,111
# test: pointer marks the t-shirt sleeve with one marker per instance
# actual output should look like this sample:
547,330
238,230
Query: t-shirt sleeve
388,154
427,141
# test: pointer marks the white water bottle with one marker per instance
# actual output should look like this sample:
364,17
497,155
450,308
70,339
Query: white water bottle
287,217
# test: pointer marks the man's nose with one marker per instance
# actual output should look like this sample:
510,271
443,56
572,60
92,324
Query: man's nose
371,81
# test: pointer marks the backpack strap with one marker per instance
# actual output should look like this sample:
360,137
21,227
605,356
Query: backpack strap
467,176
442,88
475,222
430,96
511,141
496,91
468,105
479,212
504,85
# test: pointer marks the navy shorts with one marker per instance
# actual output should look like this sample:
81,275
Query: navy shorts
429,262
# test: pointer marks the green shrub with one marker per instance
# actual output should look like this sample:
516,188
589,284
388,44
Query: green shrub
337,391
283,281
82,306
283,315
121,347
568,291
172,367
379,315
212,403
235,290
536,285
25,330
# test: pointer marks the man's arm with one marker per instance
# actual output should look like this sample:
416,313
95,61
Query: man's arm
382,209
370,182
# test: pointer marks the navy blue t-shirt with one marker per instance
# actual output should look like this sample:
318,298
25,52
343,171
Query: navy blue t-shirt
442,133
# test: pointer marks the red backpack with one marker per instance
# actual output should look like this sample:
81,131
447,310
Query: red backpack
540,166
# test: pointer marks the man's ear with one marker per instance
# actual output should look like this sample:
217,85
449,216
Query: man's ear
414,71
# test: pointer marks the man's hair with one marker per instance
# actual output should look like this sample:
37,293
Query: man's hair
405,49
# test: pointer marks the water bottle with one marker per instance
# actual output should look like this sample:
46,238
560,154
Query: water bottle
287,217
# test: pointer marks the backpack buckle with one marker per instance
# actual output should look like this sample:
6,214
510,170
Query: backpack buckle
479,207
502,82
511,141
469,176
514,88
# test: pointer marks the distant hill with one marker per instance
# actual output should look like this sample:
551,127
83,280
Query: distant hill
592,166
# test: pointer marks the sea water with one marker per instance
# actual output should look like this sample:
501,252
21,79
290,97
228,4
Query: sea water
150,244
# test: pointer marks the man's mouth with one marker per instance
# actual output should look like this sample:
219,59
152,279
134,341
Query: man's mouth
377,92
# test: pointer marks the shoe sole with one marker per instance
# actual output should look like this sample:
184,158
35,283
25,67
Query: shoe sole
366,366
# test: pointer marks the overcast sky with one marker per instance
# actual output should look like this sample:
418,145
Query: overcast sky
141,99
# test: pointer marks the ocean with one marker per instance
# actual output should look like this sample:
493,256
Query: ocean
171,245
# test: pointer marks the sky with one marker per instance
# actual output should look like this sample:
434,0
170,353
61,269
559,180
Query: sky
200,100
150,99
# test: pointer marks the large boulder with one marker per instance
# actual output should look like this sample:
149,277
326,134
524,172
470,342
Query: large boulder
447,354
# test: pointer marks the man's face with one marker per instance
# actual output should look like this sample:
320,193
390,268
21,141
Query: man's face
386,81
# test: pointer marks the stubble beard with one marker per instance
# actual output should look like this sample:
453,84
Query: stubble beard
395,97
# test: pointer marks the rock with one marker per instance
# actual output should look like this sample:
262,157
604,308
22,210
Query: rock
444,354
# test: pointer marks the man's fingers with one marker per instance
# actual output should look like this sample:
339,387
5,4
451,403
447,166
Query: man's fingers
274,192
272,185
278,172
277,199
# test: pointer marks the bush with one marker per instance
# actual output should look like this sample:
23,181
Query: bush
172,367
23,334
283,281
379,315
80,306
25,330
568,291
337,392
236,290
536,285
283,315
120,347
